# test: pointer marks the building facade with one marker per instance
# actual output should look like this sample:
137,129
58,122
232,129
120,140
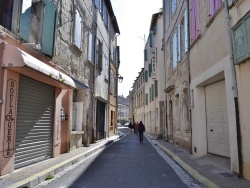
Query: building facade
175,46
123,109
154,77
48,75
239,23
211,94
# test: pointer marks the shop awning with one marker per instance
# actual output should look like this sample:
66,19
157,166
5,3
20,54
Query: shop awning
80,84
14,58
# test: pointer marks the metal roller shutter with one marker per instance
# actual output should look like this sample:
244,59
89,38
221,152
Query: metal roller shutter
35,122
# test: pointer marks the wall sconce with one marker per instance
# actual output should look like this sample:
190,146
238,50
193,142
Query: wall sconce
63,115
37,45
120,78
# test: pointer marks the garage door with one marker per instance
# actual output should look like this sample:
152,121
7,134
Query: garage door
217,119
35,121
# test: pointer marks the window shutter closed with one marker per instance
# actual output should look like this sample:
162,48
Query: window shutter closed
25,19
91,48
151,39
49,27
156,88
186,30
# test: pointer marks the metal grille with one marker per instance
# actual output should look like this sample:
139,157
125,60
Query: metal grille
35,121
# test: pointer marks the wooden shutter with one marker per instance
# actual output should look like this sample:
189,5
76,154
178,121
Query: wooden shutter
174,50
91,48
151,39
156,88
145,55
25,19
186,29
49,27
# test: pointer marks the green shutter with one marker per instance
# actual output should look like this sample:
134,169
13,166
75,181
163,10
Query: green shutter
149,69
153,96
146,98
156,88
146,76
25,19
49,27
150,94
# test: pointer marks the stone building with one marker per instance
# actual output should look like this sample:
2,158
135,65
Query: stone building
175,47
49,83
154,79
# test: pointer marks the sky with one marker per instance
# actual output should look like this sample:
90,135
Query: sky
133,18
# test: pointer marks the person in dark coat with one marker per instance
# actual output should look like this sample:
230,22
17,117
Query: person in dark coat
141,129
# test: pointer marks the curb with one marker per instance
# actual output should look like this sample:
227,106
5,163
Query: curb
56,169
196,175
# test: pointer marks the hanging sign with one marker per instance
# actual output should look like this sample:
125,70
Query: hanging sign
154,70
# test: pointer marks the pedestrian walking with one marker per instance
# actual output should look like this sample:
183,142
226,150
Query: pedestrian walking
141,129
136,127
130,126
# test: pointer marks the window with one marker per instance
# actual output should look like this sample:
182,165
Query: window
78,30
174,50
149,69
194,20
156,88
145,55
214,5
25,17
186,29
91,48
6,8
151,39
179,42
152,90
106,66
49,27
173,7
99,52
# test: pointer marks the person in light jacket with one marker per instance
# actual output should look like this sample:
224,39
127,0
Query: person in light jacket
141,129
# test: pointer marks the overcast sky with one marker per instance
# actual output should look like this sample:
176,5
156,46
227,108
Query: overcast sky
134,18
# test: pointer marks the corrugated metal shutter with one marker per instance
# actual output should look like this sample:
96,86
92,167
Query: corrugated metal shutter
35,121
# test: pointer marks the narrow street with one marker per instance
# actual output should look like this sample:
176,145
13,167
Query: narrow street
126,163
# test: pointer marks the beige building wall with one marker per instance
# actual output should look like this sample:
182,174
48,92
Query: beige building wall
210,64
237,12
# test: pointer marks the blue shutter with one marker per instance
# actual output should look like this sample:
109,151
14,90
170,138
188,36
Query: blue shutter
154,29
145,55
151,39
25,19
96,2
49,27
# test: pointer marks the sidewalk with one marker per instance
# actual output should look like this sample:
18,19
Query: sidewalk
33,175
210,170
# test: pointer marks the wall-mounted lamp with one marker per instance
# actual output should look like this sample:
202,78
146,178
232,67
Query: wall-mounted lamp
63,115
120,78
37,45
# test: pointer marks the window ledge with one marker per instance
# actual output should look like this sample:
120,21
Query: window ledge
77,132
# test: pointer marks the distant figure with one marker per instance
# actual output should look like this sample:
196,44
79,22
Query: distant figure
130,126
136,127
141,129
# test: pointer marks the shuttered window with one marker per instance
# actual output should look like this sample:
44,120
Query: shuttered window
153,91
151,39
186,29
214,5
194,20
174,50
149,69
145,55
25,19
173,7
49,27
156,88
91,48
106,66
150,95
146,76
78,30
179,42
146,98
99,62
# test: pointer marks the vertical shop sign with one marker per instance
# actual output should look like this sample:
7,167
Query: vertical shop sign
10,118
154,75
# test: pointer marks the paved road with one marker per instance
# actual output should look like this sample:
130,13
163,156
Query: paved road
126,163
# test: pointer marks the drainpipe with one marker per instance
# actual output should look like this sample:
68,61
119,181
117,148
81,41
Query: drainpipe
189,76
231,53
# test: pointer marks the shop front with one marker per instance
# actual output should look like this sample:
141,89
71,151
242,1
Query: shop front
35,108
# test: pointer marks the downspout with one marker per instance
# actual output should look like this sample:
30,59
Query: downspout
237,116
189,77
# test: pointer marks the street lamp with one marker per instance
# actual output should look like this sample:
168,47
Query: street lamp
120,78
